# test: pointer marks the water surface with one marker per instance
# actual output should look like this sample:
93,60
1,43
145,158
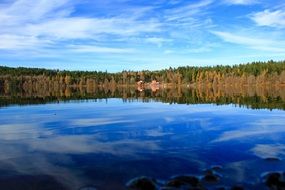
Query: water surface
103,143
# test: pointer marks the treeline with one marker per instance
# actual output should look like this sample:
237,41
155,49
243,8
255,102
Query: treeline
256,73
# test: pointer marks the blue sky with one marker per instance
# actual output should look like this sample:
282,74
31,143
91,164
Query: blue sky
133,35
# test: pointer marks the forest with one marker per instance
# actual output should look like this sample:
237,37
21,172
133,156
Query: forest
270,73
252,84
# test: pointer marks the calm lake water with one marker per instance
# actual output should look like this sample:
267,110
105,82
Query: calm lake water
103,143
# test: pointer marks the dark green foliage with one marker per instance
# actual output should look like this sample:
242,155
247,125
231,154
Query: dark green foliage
185,75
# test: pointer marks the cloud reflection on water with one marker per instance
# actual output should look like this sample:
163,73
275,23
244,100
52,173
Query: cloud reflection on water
257,128
269,150
122,137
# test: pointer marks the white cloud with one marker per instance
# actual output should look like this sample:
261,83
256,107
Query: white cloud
157,41
205,47
262,44
186,13
269,18
241,2
29,24
82,28
99,49
56,28
17,42
33,11
168,51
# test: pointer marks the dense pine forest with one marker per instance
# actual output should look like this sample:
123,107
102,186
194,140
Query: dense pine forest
269,73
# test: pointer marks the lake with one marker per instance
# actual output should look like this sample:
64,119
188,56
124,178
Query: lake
107,140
